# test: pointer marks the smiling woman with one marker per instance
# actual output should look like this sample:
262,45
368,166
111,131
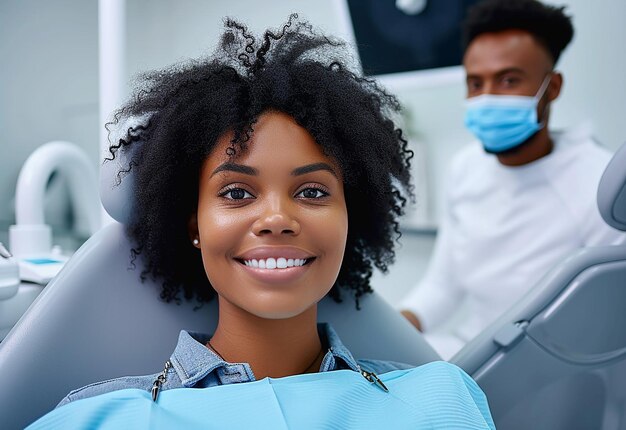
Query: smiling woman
283,207
270,176
272,228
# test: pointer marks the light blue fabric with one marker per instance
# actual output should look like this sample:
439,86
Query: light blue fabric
437,395
502,122
499,127
196,366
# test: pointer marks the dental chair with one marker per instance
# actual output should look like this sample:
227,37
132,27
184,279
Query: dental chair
96,320
557,359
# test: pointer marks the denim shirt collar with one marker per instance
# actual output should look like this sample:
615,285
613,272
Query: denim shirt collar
193,361
338,355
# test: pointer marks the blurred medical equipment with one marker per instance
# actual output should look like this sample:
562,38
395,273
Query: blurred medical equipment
406,36
411,7
9,287
14,306
35,259
9,274
112,67
30,239
557,359
96,320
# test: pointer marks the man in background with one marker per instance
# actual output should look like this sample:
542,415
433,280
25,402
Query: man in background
524,198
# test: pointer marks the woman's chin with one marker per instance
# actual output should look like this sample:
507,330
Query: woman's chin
276,309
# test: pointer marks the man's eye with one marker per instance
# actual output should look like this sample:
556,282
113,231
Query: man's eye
473,85
237,194
510,81
311,193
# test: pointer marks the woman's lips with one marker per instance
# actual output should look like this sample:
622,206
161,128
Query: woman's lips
273,276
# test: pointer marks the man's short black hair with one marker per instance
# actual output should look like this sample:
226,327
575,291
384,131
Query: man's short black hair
548,24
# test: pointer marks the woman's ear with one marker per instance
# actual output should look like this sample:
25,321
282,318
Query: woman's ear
192,230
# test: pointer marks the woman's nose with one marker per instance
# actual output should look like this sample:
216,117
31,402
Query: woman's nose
277,218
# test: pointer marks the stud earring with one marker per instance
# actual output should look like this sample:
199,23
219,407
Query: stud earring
196,242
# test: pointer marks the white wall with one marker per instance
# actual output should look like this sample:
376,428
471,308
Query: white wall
594,67
48,83
161,32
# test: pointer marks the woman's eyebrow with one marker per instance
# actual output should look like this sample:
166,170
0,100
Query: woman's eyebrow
239,168
313,168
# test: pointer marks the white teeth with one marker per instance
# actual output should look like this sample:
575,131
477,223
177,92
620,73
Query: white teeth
275,263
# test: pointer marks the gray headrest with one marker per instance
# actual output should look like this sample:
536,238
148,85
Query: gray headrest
117,189
612,191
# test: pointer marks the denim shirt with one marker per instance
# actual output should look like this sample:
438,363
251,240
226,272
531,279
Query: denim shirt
196,366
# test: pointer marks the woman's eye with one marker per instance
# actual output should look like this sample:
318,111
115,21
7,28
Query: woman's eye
236,194
311,193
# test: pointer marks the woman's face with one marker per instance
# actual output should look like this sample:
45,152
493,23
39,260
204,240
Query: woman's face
272,222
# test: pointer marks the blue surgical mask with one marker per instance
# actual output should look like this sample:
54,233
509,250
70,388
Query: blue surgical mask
503,122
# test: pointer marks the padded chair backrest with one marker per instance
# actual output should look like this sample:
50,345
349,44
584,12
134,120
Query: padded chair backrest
557,359
612,191
96,321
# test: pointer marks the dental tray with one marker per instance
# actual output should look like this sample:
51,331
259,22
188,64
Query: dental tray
41,269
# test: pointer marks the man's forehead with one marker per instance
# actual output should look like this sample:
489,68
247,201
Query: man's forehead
509,49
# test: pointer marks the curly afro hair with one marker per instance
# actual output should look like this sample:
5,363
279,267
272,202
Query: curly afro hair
186,108
548,24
